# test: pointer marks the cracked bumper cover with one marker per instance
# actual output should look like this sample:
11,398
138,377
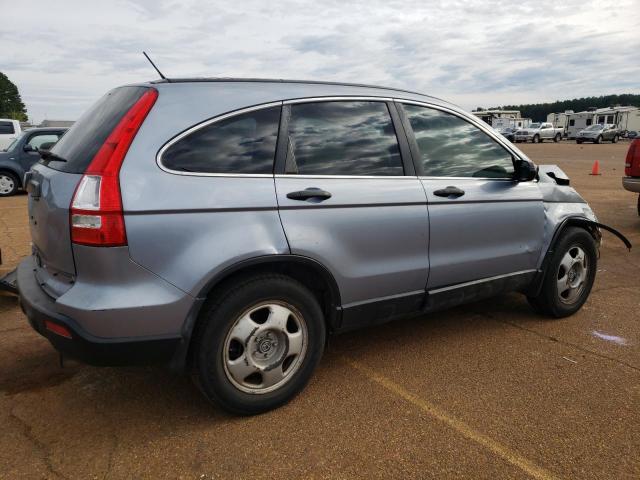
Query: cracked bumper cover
39,307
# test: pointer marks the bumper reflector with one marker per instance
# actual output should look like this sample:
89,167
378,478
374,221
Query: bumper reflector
57,329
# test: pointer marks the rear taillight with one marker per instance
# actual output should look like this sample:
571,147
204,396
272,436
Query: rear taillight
96,209
632,162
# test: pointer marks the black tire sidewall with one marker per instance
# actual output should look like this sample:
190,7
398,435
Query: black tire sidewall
550,299
220,318
16,184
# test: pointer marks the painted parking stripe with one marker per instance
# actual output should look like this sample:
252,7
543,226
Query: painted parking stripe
465,430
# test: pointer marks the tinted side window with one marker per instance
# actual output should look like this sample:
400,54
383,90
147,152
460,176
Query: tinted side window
244,143
452,147
342,138
7,128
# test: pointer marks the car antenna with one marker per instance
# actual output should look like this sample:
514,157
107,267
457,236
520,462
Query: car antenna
154,66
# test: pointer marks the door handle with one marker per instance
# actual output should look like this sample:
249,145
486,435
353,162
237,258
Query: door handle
309,194
449,191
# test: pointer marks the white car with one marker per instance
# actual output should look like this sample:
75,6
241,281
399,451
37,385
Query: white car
9,131
538,132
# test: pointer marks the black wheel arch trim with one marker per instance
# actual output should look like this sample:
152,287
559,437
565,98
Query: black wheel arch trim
179,361
591,226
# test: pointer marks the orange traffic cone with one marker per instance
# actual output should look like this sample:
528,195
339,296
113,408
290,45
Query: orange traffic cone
595,170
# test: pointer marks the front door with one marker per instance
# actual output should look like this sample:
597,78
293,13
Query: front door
349,198
483,223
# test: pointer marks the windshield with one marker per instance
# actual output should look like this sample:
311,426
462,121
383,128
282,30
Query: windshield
534,125
14,143
595,127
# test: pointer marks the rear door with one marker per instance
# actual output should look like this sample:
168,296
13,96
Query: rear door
483,223
349,198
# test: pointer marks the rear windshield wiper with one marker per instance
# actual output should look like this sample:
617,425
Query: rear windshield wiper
50,156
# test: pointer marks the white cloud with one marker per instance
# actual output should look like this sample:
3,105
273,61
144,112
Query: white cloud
64,55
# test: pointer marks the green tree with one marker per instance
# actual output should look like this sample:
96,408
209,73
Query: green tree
11,105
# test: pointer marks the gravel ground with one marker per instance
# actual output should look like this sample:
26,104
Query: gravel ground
488,390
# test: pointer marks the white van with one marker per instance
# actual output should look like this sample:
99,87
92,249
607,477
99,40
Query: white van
9,131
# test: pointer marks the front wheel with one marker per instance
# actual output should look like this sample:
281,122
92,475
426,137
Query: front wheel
8,184
259,344
579,142
599,139
569,276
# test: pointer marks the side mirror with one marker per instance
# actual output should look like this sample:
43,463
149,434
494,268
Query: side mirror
30,148
46,146
525,171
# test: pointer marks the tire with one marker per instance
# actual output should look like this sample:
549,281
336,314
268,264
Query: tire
579,142
9,184
568,280
638,205
536,139
615,139
251,328
598,140
557,138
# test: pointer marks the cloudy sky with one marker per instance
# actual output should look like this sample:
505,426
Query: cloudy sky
63,55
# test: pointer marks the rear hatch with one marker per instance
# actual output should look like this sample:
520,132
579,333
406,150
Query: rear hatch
54,181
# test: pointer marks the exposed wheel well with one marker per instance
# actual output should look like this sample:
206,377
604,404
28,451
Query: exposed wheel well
308,272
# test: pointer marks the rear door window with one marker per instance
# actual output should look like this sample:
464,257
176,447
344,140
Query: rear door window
80,144
244,143
453,147
355,138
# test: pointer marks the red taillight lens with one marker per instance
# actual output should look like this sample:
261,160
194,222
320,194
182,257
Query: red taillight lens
632,162
96,209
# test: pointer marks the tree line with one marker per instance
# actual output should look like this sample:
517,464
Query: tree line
539,111
11,105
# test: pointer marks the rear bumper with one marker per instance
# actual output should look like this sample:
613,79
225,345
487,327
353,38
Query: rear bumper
39,307
631,183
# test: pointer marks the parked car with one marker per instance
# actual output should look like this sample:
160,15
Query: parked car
632,134
538,132
226,227
631,180
9,131
599,133
21,154
508,133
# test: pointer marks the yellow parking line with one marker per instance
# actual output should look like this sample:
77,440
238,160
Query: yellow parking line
465,430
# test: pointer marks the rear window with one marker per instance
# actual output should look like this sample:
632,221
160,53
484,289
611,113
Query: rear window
7,128
80,144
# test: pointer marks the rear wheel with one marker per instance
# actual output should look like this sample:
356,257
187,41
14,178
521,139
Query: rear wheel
258,344
569,276
557,138
536,139
8,184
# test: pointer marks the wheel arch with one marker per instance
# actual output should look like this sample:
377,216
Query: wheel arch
311,273
573,221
